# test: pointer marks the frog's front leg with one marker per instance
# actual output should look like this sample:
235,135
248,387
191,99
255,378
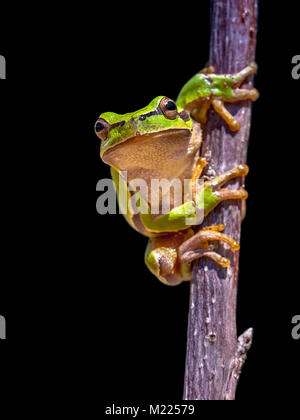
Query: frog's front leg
207,89
236,94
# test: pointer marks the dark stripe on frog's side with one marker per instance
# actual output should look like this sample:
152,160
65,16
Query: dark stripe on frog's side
150,114
118,124
184,115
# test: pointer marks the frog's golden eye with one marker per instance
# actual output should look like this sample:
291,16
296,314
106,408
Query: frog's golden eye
102,129
168,108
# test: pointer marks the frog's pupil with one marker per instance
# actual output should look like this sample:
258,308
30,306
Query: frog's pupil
99,127
170,106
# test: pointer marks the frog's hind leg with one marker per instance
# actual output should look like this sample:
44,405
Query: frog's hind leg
199,246
162,258
168,257
191,256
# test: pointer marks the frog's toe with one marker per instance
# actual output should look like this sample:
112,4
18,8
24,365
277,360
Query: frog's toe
205,236
190,256
219,107
240,77
200,246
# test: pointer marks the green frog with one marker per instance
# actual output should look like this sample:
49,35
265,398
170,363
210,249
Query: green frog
162,142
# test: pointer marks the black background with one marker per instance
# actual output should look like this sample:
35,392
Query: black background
144,322
91,282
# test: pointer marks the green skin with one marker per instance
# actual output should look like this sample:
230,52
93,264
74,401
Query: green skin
155,142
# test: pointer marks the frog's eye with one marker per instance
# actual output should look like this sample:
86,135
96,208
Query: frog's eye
102,129
168,108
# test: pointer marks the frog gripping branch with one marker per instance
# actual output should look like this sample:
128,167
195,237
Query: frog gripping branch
129,143
163,141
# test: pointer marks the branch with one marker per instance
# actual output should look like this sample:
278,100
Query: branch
215,356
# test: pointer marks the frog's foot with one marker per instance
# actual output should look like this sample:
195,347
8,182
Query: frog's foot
218,105
238,95
200,114
220,180
191,256
223,194
231,194
244,95
240,77
199,246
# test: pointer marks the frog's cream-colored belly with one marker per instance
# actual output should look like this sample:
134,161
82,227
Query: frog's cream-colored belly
165,156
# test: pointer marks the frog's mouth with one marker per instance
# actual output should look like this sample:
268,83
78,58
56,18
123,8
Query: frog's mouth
160,155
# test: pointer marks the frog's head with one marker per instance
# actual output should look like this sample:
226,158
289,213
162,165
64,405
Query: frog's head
136,138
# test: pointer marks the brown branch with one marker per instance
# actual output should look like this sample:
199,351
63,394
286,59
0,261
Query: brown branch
214,354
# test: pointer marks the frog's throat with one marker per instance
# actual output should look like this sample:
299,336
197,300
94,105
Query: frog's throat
149,150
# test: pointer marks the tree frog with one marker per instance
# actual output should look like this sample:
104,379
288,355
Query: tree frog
162,141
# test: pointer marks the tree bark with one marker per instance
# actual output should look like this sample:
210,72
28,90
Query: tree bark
215,355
